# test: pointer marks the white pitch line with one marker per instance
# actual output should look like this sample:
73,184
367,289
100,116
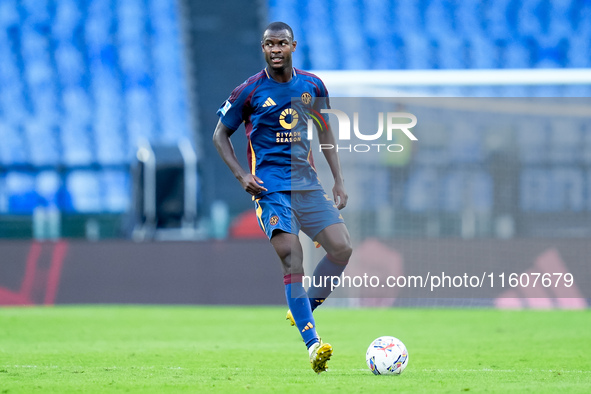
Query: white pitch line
489,370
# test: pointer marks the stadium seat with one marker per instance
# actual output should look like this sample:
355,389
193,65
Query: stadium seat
422,191
467,190
565,144
22,196
567,189
43,143
117,190
532,139
586,148
76,144
80,102
482,28
12,148
85,190
465,143
353,41
534,190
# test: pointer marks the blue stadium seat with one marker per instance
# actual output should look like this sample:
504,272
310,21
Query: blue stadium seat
42,143
422,190
438,18
349,30
555,190
579,51
465,143
77,147
497,19
84,99
321,38
468,18
528,15
532,140
588,191
565,144
534,190
467,190
116,191
452,53
22,196
12,148
586,146
9,13
482,52
567,189
85,190
420,52
168,80
47,185
516,55
530,33
408,15
381,27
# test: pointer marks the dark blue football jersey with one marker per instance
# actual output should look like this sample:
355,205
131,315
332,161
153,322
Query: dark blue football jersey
279,151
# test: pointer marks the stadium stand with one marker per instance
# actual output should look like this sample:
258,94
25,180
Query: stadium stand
80,83
438,34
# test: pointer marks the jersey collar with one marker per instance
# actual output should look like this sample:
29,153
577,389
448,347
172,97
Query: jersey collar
293,73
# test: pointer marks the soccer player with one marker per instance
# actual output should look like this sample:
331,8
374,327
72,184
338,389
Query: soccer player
282,179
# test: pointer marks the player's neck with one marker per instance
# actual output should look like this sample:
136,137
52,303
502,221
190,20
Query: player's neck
282,76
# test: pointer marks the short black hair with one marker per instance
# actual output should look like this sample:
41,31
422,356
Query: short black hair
278,26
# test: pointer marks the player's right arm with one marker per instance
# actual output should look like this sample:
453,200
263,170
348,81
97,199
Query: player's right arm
221,139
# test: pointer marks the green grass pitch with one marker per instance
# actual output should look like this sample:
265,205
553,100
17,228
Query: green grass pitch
227,349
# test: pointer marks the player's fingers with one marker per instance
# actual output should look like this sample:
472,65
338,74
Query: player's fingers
338,200
342,201
260,188
249,190
256,178
254,188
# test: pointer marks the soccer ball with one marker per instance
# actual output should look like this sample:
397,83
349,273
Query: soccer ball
387,356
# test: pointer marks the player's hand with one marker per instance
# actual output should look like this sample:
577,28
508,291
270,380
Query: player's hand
340,195
252,184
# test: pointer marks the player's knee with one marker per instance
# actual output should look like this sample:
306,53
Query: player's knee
342,253
291,264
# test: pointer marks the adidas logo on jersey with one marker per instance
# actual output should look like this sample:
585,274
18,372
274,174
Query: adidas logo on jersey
269,102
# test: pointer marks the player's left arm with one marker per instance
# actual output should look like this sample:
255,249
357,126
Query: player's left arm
338,191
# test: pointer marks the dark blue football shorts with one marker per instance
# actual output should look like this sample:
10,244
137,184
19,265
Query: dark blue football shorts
309,210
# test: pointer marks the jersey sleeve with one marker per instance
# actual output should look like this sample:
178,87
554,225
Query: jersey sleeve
231,111
322,101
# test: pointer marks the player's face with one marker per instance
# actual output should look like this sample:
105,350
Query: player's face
277,47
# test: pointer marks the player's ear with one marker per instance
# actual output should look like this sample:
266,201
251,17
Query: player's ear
294,43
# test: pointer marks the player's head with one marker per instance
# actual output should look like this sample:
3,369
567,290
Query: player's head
278,44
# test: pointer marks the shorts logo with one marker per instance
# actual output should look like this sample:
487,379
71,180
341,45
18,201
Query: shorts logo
274,220
288,118
306,98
